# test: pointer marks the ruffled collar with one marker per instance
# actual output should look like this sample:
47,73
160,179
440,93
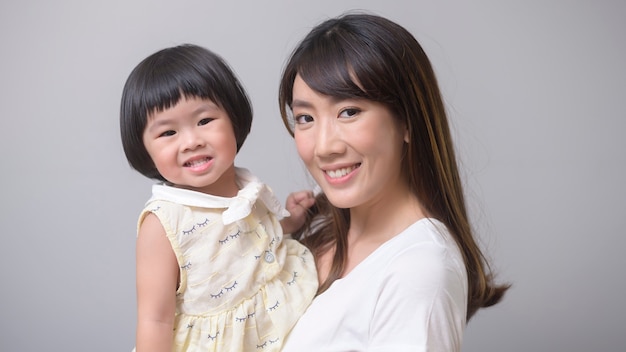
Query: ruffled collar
237,208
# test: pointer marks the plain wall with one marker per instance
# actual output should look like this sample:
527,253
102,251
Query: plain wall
535,91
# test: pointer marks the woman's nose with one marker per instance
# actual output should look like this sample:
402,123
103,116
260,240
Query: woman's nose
328,139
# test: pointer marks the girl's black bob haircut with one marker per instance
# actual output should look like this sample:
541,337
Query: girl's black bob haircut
161,80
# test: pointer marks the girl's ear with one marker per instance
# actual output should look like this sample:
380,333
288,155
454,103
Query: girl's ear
406,135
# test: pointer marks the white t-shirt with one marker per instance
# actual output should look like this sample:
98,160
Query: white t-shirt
410,294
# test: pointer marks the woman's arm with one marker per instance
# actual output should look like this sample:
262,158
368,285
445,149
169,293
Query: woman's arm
157,280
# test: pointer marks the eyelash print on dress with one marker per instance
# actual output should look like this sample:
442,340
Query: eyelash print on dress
218,295
232,287
262,346
274,307
227,288
303,255
186,266
212,338
196,226
241,320
229,237
293,281
190,231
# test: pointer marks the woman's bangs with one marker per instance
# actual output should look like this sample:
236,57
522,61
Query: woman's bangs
326,70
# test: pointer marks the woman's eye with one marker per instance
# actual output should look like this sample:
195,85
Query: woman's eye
349,112
204,121
301,119
167,133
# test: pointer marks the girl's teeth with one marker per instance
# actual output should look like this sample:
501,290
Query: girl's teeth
197,162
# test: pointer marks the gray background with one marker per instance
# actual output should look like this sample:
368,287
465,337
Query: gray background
535,90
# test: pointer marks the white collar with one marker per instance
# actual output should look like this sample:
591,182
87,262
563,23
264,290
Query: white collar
238,207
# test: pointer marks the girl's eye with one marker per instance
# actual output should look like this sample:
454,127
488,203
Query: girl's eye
167,133
204,121
350,112
302,119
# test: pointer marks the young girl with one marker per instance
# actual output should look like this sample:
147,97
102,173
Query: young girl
361,99
214,272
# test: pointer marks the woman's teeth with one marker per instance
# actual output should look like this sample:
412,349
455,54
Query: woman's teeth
340,172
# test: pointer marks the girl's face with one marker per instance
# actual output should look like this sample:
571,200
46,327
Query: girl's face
353,148
193,145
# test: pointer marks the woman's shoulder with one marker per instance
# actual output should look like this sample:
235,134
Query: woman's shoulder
425,248
425,233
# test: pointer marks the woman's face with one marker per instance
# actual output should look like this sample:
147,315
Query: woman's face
352,147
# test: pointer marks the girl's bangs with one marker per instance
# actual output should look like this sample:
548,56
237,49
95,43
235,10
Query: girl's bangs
164,90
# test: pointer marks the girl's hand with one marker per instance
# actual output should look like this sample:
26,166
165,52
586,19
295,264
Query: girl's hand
297,204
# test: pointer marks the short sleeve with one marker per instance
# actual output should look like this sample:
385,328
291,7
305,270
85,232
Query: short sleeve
421,304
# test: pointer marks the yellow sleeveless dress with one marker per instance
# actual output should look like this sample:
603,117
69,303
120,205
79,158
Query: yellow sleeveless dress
242,285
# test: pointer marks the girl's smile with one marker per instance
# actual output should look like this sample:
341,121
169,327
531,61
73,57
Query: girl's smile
198,164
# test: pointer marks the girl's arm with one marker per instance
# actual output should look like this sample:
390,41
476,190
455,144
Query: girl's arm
157,280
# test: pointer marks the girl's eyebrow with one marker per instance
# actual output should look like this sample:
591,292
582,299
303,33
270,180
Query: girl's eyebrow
205,107
158,123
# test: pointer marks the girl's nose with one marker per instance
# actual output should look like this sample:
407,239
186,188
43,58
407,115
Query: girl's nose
192,141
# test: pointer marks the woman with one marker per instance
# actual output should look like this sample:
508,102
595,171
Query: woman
398,265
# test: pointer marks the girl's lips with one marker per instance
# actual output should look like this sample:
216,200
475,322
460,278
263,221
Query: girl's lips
198,164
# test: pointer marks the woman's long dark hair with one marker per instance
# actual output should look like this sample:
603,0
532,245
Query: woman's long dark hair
391,68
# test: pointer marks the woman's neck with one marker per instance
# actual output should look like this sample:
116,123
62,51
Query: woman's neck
373,225
384,218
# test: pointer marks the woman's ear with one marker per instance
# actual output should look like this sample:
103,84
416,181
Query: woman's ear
406,135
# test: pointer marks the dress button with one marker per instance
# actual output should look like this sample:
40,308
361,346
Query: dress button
269,257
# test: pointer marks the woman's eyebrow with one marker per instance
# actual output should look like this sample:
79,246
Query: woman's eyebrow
297,103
